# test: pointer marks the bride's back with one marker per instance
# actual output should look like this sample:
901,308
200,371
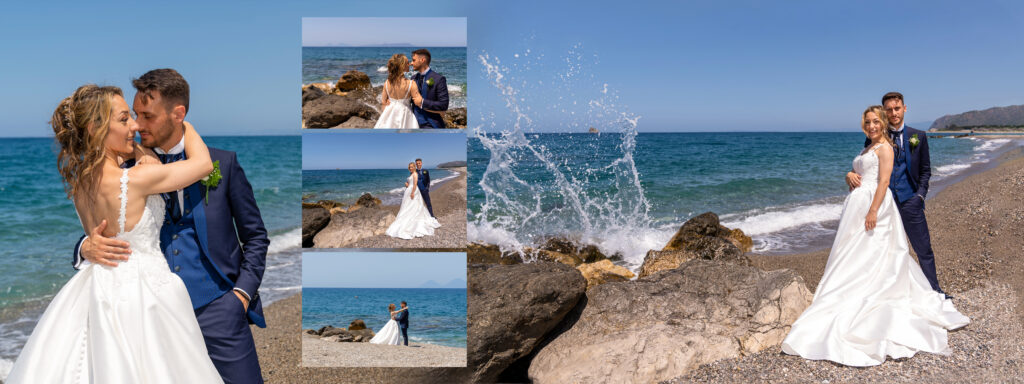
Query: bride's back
104,203
399,91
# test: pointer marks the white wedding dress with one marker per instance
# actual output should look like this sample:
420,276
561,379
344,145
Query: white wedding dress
413,219
132,323
398,113
389,334
873,300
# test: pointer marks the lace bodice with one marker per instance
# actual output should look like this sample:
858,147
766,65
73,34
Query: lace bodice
866,165
144,237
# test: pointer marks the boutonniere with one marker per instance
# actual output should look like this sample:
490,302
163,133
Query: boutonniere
430,83
914,141
211,180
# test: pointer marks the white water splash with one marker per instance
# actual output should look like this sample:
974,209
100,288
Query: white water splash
520,212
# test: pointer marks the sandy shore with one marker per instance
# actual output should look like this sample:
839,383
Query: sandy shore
449,203
976,229
321,353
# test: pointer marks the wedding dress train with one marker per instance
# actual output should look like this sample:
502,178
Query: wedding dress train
873,300
389,334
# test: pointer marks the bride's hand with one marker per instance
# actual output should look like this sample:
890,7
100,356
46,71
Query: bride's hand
871,220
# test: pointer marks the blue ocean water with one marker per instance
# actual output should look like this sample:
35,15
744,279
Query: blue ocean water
327,64
41,226
785,190
346,185
436,316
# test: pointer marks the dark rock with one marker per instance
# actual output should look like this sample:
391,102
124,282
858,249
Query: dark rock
311,332
455,118
314,219
332,110
663,325
587,253
357,122
353,80
362,335
479,253
657,261
717,248
310,93
356,325
512,307
333,332
703,225
367,200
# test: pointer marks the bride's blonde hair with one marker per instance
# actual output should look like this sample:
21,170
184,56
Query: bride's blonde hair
391,307
80,125
397,66
880,112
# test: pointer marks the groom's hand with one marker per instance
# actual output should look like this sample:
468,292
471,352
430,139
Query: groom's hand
852,180
245,302
103,250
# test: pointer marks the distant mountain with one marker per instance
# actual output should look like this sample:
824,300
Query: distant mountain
430,284
456,283
452,164
1012,115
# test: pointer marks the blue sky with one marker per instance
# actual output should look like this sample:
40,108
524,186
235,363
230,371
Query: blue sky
380,269
687,66
378,31
336,149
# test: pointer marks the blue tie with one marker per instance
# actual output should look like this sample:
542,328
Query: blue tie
171,158
172,198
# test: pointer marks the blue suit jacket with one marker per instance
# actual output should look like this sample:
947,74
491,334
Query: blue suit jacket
423,180
919,167
239,256
435,98
403,319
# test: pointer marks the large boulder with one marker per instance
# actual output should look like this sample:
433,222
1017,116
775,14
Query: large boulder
314,219
350,227
512,308
603,272
362,335
356,325
332,110
662,326
310,93
367,200
455,118
353,80
700,226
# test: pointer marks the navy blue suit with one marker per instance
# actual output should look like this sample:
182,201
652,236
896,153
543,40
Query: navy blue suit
403,324
909,185
435,98
423,184
217,243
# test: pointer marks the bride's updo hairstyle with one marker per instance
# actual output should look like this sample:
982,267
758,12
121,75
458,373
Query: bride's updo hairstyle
880,112
397,66
80,124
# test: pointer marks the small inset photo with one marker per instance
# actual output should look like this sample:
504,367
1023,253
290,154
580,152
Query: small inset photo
383,309
383,190
384,72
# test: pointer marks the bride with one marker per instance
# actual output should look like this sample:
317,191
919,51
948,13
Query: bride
873,300
397,94
132,323
389,334
413,219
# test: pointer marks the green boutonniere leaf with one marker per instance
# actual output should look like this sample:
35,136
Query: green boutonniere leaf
430,82
212,180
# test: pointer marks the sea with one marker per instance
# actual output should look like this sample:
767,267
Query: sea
436,315
630,192
327,64
346,185
40,226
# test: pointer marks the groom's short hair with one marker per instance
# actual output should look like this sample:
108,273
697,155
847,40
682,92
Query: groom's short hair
171,85
424,53
403,303
420,160
892,95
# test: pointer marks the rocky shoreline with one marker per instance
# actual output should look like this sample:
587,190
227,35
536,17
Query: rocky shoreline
353,102
329,224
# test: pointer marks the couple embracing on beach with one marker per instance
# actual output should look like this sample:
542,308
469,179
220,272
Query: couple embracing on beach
168,294
873,300
395,330
414,103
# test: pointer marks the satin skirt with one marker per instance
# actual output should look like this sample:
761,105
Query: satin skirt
873,300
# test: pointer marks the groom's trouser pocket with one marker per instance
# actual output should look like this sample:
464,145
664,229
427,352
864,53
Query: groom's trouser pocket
229,339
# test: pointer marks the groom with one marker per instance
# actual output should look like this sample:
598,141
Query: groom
911,170
403,322
434,89
213,237
423,184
